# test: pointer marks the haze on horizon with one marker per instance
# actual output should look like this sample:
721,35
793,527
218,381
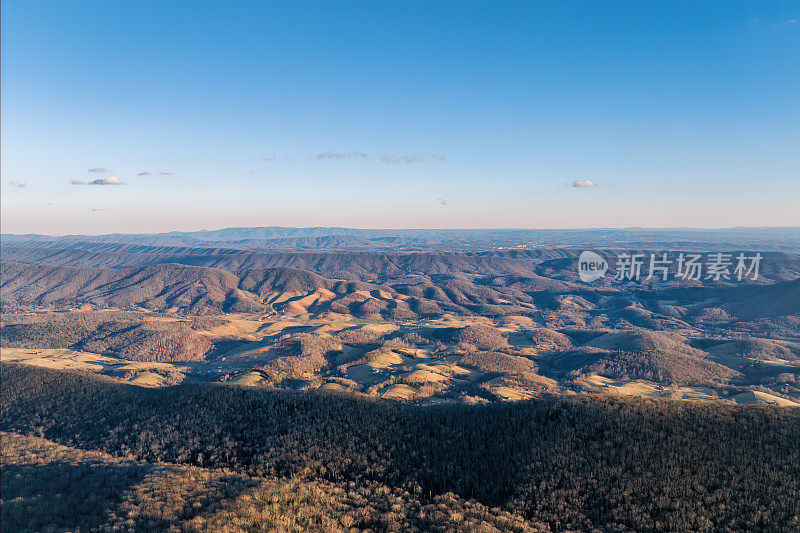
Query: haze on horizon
552,232
152,117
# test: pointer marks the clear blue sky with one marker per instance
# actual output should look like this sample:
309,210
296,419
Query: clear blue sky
399,114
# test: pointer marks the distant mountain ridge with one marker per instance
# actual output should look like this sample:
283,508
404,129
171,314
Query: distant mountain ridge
337,238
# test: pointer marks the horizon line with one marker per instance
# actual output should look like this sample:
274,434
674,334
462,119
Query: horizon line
404,229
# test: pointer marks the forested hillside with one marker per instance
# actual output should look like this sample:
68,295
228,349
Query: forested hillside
572,463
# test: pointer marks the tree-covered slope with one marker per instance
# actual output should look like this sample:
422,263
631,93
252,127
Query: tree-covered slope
575,463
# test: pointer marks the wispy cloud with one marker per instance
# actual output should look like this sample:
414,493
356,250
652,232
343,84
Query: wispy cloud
411,158
271,158
96,209
584,183
97,170
148,173
385,158
777,25
110,180
441,201
19,184
342,155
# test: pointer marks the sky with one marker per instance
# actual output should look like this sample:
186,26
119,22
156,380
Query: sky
154,116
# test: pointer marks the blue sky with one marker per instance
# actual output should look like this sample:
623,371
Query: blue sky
399,114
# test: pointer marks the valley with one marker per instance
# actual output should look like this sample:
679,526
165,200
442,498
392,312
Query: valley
422,328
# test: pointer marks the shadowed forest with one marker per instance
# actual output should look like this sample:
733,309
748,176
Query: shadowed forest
561,463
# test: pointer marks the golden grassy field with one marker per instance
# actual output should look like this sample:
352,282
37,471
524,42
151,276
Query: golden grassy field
410,362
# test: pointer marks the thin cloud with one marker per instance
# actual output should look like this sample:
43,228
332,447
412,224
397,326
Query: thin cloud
783,23
97,170
165,173
96,209
441,201
77,182
342,155
144,173
332,155
111,180
19,184
411,158
584,183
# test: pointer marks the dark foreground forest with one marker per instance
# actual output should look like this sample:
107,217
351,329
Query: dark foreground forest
575,463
